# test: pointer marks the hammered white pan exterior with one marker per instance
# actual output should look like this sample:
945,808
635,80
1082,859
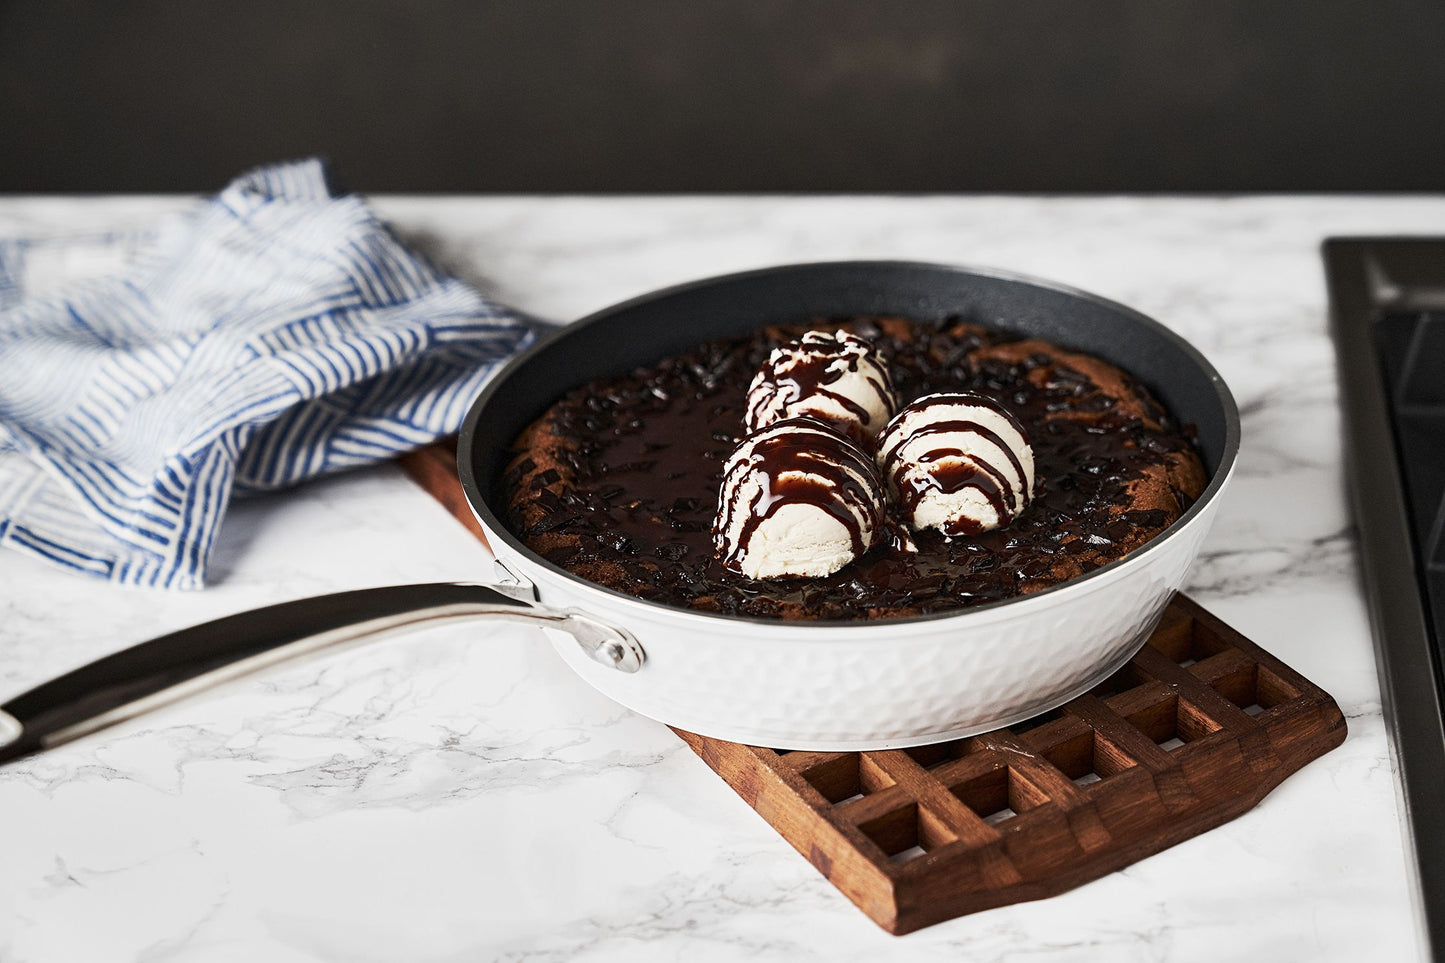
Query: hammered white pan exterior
878,686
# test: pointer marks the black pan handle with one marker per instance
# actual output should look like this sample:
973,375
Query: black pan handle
151,674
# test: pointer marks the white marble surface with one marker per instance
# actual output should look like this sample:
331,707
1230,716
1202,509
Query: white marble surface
459,795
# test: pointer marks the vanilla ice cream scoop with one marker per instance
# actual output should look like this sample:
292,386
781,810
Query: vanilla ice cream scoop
797,499
833,376
957,462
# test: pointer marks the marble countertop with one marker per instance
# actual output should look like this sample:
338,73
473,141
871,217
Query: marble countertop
460,795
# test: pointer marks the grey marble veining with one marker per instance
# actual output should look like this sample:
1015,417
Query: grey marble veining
459,795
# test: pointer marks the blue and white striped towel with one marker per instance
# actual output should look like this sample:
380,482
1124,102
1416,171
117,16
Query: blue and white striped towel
272,334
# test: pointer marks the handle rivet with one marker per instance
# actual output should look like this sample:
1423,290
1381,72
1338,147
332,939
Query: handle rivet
611,652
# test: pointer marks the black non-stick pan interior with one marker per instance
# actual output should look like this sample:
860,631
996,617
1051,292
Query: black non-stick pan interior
649,328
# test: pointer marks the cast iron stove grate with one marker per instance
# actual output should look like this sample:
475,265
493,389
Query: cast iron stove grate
1387,299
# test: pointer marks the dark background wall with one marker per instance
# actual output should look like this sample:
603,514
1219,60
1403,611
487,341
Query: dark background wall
668,95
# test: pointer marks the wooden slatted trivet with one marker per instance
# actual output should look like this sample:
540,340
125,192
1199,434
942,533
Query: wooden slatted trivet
1194,731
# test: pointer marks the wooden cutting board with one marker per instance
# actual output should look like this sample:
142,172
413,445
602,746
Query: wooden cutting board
1194,731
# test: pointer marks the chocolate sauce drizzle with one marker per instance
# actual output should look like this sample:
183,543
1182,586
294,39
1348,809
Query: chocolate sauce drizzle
629,494
798,461
951,470
806,368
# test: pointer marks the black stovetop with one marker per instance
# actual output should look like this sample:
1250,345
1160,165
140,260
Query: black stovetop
1387,301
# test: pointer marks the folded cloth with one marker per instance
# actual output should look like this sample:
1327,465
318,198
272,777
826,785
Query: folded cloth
274,333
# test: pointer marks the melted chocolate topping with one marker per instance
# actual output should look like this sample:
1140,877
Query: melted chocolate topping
959,470
619,482
798,461
807,368
966,472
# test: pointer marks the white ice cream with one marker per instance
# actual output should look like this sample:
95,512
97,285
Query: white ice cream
797,500
835,377
960,463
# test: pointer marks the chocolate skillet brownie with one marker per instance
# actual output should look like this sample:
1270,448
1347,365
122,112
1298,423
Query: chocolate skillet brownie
618,480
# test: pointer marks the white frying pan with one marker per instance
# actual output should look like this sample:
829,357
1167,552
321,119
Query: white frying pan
817,685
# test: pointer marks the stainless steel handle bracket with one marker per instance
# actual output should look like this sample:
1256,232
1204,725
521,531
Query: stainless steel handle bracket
611,646
607,644
512,585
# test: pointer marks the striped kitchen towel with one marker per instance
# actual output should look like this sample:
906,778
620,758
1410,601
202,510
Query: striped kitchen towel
271,334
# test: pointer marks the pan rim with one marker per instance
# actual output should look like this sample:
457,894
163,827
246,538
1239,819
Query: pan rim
496,528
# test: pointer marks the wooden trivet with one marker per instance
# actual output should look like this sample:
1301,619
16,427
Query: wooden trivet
1194,731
